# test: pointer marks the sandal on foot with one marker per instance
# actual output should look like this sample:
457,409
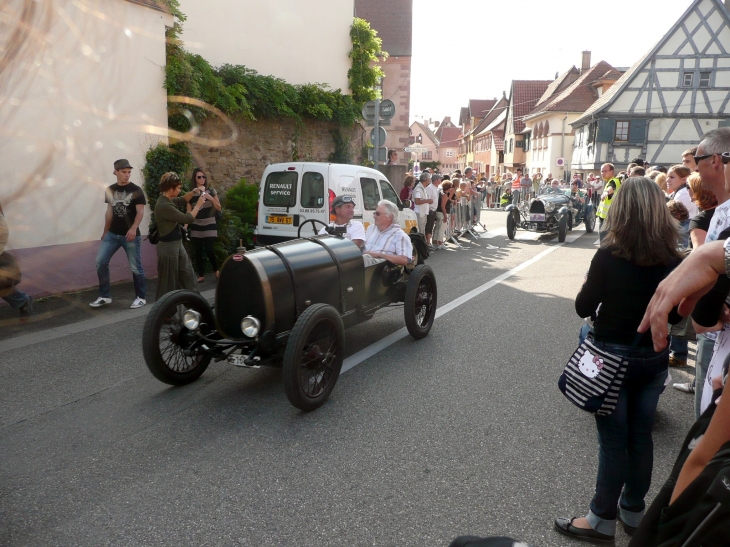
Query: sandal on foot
201,279
565,527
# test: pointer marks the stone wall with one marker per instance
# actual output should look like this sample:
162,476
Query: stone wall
264,142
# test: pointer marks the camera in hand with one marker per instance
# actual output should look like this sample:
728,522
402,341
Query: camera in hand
338,231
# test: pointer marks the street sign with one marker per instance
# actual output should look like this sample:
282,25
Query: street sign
560,162
382,135
416,149
387,109
382,156
368,111
371,123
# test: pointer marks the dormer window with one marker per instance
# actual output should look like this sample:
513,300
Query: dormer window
705,79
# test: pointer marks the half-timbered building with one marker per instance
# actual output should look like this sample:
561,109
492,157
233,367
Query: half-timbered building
664,103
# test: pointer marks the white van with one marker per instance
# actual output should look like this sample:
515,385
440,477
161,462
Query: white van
291,193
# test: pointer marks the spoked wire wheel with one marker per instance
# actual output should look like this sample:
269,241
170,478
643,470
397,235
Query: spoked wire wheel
166,341
419,306
313,356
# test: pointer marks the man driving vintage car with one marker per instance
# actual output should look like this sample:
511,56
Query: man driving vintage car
343,207
385,240
554,187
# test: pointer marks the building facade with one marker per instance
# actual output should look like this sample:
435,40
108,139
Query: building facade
664,103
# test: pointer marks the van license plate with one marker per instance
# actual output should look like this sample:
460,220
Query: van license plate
279,219
537,218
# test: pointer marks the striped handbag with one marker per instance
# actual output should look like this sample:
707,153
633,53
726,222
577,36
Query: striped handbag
592,378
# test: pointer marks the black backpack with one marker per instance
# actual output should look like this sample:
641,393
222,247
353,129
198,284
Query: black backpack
700,516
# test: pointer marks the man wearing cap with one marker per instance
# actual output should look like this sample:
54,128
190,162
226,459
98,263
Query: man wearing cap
343,207
124,212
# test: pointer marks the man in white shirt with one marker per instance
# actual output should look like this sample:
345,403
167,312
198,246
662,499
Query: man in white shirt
422,201
343,207
432,191
385,240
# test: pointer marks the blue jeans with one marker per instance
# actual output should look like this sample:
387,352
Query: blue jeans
678,347
626,448
705,349
16,299
110,245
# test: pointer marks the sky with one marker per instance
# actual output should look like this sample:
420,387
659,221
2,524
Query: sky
473,49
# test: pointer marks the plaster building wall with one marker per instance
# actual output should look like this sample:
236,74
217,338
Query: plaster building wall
545,151
84,90
300,42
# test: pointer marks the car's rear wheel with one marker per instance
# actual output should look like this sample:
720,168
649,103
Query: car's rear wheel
313,356
419,305
166,342
590,221
570,221
562,228
511,226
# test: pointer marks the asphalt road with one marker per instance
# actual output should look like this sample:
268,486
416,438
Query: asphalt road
464,432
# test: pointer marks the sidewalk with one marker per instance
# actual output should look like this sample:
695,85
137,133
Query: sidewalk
54,312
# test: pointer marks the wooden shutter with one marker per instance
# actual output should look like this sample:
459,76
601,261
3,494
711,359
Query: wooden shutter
637,131
605,130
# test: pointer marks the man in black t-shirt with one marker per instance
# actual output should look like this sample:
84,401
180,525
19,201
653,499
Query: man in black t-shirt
124,212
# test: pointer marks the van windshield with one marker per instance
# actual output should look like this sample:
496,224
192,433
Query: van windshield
281,189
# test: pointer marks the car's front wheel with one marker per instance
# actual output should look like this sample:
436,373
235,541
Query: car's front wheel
511,226
166,342
313,356
562,228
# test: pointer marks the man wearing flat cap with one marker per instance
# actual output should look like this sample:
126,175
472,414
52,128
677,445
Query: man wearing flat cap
343,207
125,203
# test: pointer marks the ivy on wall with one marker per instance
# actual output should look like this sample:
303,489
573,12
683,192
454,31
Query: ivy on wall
364,76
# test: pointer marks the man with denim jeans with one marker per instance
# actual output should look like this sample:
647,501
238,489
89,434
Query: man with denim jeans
124,212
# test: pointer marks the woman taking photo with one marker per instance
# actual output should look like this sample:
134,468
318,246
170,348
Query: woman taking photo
640,245
406,192
174,270
204,231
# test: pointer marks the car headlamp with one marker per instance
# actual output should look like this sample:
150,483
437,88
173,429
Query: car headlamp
250,326
549,207
191,320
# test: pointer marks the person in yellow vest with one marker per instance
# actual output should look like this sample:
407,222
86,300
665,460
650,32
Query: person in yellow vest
611,186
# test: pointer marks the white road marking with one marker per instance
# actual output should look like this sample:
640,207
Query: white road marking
391,339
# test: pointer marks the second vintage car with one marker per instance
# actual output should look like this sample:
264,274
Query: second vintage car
555,213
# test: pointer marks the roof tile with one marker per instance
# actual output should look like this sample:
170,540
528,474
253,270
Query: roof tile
525,94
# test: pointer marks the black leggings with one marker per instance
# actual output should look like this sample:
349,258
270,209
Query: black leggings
200,245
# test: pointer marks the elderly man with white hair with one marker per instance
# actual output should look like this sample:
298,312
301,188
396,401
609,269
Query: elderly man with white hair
385,240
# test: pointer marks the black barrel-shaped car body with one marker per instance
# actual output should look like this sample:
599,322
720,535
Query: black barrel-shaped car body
276,284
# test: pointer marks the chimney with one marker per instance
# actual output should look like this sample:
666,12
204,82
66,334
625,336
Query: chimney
585,60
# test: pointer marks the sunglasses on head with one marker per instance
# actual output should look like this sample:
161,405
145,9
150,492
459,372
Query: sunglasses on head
347,199
725,157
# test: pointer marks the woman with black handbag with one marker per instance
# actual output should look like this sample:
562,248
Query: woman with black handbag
638,252
204,231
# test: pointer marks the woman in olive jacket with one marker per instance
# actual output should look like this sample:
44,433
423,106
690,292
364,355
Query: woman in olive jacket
174,269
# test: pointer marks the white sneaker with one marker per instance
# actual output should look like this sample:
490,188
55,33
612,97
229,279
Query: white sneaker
99,302
138,303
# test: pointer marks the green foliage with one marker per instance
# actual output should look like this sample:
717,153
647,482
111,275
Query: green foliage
160,160
243,92
366,49
342,152
240,207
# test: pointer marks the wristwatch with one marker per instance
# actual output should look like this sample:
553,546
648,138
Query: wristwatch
726,246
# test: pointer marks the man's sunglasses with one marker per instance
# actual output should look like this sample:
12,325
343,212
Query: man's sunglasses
725,157
347,199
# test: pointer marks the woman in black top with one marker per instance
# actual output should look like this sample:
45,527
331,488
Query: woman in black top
204,231
638,252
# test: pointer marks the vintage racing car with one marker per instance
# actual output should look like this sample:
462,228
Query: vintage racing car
285,305
553,213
